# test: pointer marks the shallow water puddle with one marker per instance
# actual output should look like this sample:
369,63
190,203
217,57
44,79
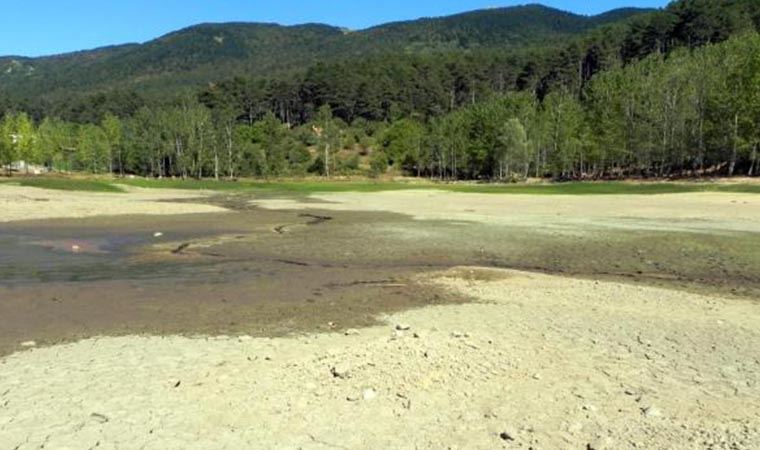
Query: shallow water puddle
35,255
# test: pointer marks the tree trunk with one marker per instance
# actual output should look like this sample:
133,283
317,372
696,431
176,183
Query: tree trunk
231,170
753,161
121,164
327,160
734,150
200,159
216,163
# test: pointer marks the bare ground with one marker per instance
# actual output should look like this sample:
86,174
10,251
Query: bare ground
537,362
573,213
534,361
29,203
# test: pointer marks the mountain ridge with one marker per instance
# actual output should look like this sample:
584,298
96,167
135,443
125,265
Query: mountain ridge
206,52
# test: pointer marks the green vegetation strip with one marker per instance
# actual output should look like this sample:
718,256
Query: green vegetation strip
65,184
575,188
313,187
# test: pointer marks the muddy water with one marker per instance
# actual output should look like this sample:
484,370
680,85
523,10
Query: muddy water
264,272
251,272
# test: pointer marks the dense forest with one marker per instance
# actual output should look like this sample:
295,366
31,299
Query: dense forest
210,52
648,94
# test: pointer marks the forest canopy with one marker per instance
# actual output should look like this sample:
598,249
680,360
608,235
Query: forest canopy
667,93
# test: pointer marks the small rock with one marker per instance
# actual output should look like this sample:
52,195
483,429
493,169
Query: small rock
603,443
100,418
536,376
459,334
369,394
352,398
158,234
341,371
651,411
397,334
351,332
29,344
417,335
507,435
403,327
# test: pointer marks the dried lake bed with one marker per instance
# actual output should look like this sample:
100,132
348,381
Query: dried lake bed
460,320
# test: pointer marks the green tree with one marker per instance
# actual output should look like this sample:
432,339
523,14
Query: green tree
515,150
92,149
114,140
402,142
327,131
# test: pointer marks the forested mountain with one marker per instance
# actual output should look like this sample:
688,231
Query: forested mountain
209,52
488,95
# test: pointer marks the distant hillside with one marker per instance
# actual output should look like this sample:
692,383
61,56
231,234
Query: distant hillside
209,52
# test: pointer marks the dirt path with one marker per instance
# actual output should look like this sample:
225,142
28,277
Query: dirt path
538,362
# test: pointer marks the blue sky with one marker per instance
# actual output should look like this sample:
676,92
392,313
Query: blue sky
43,27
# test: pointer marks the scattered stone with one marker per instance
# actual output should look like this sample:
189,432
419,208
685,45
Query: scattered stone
177,383
403,327
507,435
589,407
351,332
100,418
158,234
651,411
397,334
341,371
417,335
471,345
369,394
352,398
602,443
29,344
536,376
459,334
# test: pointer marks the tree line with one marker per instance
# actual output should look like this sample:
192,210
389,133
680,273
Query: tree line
669,94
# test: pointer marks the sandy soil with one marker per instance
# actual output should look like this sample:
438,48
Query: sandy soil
29,203
537,362
672,212
534,361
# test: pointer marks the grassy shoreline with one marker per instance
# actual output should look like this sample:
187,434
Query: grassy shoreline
308,186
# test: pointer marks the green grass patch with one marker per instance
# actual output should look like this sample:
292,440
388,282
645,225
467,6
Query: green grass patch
65,184
305,187
572,188
209,185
